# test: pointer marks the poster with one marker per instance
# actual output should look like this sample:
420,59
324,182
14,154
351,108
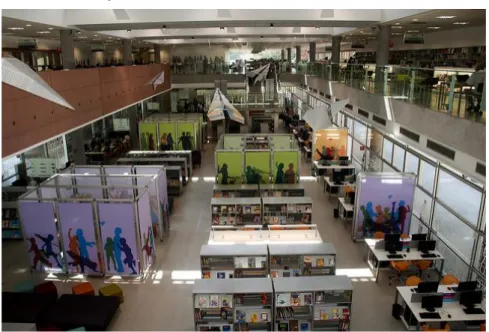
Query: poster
185,134
384,204
168,135
146,232
330,143
257,167
229,167
41,238
80,242
148,139
118,234
285,167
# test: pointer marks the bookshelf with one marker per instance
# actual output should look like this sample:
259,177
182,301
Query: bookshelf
315,259
11,228
236,211
282,190
287,210
187,154
233,304
312,303
236,190
236,261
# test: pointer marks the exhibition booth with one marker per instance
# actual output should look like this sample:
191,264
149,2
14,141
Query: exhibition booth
81,222
257,159
328,145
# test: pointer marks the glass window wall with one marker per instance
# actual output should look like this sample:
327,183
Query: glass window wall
412,163
387,150
426,177
398,160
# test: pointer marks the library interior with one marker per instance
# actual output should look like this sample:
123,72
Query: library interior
243,170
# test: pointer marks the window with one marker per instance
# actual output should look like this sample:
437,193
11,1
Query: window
387,150
398,160
387,168
411,165
360,132
416,226
480,255
374,163
455,233
453,264
375,141
349,124
358,166
426,176
357,152
459,196
422,205
350,141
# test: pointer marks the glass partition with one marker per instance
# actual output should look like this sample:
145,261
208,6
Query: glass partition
422,205
426,176
412,163
398,160
360,132
387,150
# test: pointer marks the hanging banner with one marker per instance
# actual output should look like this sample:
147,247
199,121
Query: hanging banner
78,233
257,167
40,233
146,232
229,167
285,167
148,139
118,235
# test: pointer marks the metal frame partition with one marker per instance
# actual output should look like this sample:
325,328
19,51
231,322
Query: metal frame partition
50,211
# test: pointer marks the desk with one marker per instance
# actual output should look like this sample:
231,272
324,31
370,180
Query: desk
381,256
317,168
451,308
345,210
328,184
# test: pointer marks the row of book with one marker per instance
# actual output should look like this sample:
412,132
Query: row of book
237,209
9,214
11,223
291,208
234,220
214,301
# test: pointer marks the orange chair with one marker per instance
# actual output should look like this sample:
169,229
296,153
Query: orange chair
427,328
483,327
449,279
421,266
413,281
379,235
404,236
400,267
84,288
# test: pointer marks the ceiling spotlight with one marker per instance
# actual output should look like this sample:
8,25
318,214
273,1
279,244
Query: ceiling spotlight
15,28
43,32
164,27
461,23
271,25
397,27
397,23
262,37
222,28
434,28
95,35
446,17
50,28
128,30
28,25
415,20
413,31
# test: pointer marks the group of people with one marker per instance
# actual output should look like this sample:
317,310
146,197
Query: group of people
197,64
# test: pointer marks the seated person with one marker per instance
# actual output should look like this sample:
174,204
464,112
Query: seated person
325,156
477,80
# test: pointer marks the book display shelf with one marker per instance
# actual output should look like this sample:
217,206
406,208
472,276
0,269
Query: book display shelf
233,304
236,211
287,210
236,190
313,303
10,216
282,190
315,259
236,261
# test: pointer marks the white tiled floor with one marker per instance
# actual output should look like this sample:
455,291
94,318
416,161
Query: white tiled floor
163,300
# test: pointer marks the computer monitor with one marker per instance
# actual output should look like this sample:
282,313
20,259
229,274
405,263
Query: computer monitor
343,160
427,287
393,246
392,237
431,302
352,197
338,176
426,246
470,298
419,237
465,286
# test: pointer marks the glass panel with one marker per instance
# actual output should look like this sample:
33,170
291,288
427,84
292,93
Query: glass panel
417,226
453,264
387,168
360,132
480,255
357,152
374,163
426,176
375,141
411,163
348,153
349,124
387,150
358,166
460,197
422,205
481,284
398,160
460,236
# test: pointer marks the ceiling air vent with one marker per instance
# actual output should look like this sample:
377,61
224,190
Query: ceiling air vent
449,153
328,96
363,113
315,90
409,134
321,93
379,120
481,169
349,106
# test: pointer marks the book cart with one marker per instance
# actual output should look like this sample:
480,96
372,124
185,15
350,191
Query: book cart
236,261
233,304
312,303
287,210
308,259
236,211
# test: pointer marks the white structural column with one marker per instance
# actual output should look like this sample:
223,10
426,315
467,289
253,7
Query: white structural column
289,54
67,49
78,143
382,56
157,49
297,54
312,52
127,52
283,54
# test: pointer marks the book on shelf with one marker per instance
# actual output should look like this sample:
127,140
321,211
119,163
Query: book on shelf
305,219
223,221
226,301
226,328
282,220
277,194
276,220
231,209
206,275
308,299
283,208
239,209
295,300
256,209
307,261
214,301
224,209
323,314
283,300
305,327
319,262
256,219
215,209
319,297
336,313
292,208
251,262
239,220
221,275
231,220
296,273
254,317
266,219
240,316
264,316
203,301
215,220
247,209
275,274
283,326
241,262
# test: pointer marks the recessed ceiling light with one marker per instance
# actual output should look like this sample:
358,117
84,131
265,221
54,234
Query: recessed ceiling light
415,20
50,28
397,23
15,28
95,35
412,31
317,28
461,23
396,33
262,37
271,25
222,28
82,37
434,28
445,17
128,30
43,32
28,25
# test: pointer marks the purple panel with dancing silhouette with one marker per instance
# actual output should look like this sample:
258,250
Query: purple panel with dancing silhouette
384,203
80,242
40,236
146,231
118,235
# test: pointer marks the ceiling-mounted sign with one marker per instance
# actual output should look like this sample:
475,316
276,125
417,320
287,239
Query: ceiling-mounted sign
121,124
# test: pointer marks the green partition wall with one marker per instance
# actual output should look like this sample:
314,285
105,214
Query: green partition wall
233,141
281,141
285,166
168,129
183,130
148,138
257,167
229,167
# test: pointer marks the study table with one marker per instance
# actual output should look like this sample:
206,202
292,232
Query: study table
329,185
451,306
345,210
316,167
381,256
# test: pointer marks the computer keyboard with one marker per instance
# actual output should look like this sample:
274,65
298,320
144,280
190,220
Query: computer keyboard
428,255
474,311
429,315
394,256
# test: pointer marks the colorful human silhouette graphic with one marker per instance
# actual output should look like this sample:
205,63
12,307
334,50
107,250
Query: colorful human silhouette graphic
129,259
48,247
117,249
144,142
74,251
38,255
253,175
170,141
148,245
224,173
279,177
151,142
109,253
289,175
78,251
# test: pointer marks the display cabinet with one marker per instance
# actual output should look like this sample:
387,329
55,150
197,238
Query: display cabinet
287,210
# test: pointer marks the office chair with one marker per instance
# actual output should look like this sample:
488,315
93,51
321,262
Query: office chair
399,267
379,235
449,279
413,281
421,266
483,327
404,236
428,328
